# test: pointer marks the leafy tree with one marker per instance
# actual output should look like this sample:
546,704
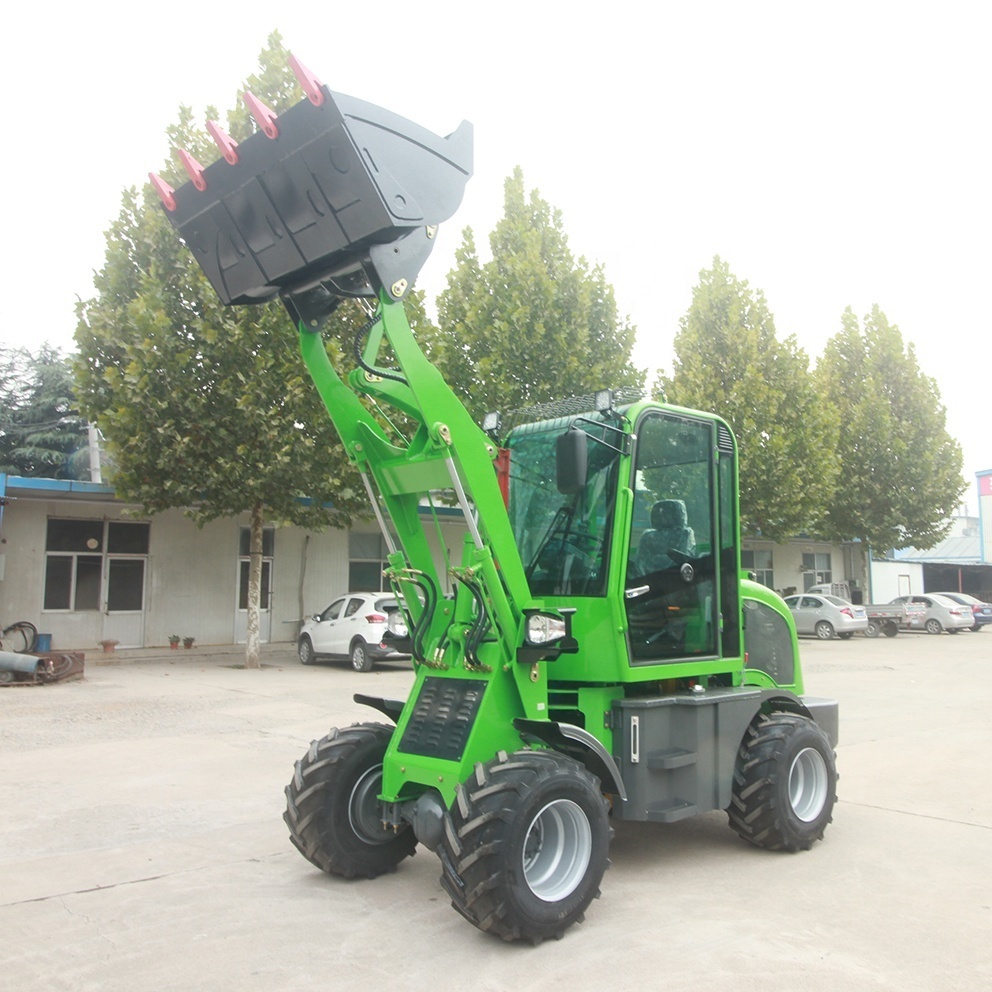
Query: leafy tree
729,361
902,471
41,432
208,408
534,323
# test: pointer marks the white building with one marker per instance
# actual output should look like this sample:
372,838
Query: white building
82,566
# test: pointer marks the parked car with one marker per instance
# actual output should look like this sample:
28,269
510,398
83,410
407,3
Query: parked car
353,627
981,613
940,613
825,616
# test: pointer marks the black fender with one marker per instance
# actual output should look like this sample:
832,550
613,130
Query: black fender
391,708
578,744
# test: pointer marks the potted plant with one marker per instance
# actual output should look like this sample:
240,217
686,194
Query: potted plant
188,642
173,641
108,645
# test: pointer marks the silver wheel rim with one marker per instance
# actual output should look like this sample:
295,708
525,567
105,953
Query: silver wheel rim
557,850
363,808
824,631
808,784
358,658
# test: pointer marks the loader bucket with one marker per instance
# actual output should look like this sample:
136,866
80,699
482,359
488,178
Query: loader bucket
335,191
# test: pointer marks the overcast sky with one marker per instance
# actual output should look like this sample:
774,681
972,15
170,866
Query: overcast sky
833,154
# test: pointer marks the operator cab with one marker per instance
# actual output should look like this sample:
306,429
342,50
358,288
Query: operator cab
660,494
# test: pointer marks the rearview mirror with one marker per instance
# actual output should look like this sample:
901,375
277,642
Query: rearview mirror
571,462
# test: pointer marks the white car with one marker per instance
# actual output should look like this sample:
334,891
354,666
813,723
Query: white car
825,616
353,627
941,613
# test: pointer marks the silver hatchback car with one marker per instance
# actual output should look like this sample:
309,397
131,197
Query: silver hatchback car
941,613
825,616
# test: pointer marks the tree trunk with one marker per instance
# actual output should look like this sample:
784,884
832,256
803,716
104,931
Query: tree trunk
252,639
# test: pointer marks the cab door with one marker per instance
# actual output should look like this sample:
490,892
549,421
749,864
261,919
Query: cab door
671,590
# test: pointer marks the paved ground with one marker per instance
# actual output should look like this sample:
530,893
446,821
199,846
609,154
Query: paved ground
142,846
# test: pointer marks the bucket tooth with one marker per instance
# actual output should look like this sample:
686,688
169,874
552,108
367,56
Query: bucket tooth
312,86
193,169
264,116
227,145
164,190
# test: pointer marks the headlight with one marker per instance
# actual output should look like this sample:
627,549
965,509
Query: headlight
544,629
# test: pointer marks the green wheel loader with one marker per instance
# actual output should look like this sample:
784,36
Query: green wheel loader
603,657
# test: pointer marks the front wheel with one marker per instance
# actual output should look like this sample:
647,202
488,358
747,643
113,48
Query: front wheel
824,630
332,805
846,635
525,845
305,651
785,783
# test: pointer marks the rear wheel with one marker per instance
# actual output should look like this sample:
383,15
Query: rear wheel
361,660
933,626
873,629
525,845
890,628
977,628
785,783
846,635
332,805
824,630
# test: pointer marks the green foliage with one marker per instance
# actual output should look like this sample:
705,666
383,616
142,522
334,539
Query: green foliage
41,432
729,361
902,471
534,323
207,407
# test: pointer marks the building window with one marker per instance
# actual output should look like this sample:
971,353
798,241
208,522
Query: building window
79,553
366,562
268,554
816,569
759,561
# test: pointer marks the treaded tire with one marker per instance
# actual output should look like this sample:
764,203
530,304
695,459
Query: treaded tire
525,845
785,783
933,626
332,806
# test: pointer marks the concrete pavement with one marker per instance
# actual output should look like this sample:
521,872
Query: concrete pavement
142,846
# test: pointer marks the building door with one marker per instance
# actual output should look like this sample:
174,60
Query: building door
124,600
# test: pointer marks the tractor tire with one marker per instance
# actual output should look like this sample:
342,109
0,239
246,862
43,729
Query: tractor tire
525,845
305,651
785,783
332,807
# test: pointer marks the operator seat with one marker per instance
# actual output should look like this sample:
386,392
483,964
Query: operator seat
669,529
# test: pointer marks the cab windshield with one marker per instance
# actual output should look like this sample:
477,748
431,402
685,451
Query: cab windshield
564,540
